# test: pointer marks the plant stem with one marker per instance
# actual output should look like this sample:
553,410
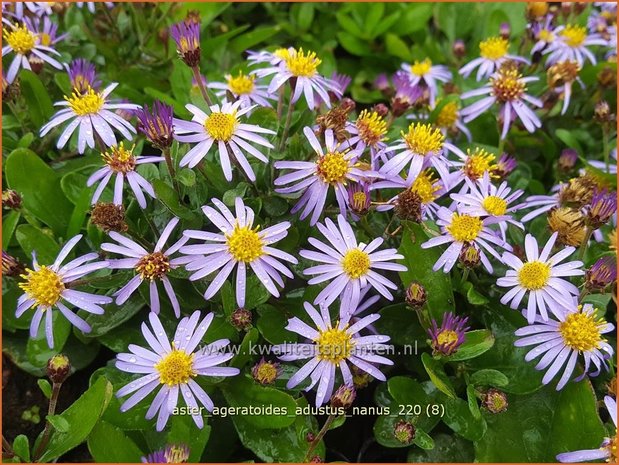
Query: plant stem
282,142
200,84
606,148
501,146
585,242
48,426
7,449
280,103
172,170
150,224
319,436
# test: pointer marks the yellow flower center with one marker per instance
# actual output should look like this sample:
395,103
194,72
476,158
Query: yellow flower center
153,266
186,44
420,68
333,167
546,35
423,139
241,84
448,115
464,228
266,373
356,263
372,127
43,286
494,205
425,186
507,85
581,331
244,244
359,200
45,39
221,126
176,454
175,368
493,48
282,53
87,103
573,35
478,163
334,345
120,159
20,39
447,337
537,9
534,275
301,63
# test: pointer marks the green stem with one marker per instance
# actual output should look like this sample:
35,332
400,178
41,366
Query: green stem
585,242
606,149
200,84
282,142
172,170
319,436
151,224
501,146
280,103
48,426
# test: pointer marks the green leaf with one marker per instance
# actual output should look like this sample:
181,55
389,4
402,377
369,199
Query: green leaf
244,392
9,223
39,186
45,387
180,80
32,239
58,422
472,401
437,374
459,418
37,349
168,196
353,45
423,440
489,377
21,447
419,263
183,431
82,416
538,426
252,38
107,443
447,449
244,354
272,323
475,343
113,317
472,295
37,97
402,325
397,47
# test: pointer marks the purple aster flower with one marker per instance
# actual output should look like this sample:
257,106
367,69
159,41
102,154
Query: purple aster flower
333,167
157,124
36,8
25,42
447,338
244,87
543,203
492,55
601,274
382,83
221,127
425,74
121,162
359,201
264,56
90,111
187,38
148,266
544,34
240,245
607,450
332,348
472,166
602,207
92,5
460,229
406,94
47,30
172,366
350,265
505,165
576,332
170,454
571,44
368,130
49,286
540,277
506,88
83,76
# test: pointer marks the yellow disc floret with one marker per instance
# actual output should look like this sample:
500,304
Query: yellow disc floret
478,163
507,85
245,244
302,64
423,139
425,187
356,263
493,48
220,126
86,103
242,84
494,205
420,68
465,228
119,158
44,286
447,337
333,167
573,36
153,266
175,368
20,39
448,115
334,345
371,126
534,275
581,331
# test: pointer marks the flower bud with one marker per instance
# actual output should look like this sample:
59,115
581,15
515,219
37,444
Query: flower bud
404,432
382,83
601,274
359,200
603,206
11,266
316,459
265,372
36,64
11,200
109,217
416,295
309,437
495,401
360,378
458,48
381,109
241,319
567,160
602,113
408,206
607,77
343,397
58,368
505,30
469,256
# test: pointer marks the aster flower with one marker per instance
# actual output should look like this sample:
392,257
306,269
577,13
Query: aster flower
425,74
472,167
240,245
83,76
540,277
602,207
544,34
350,265
449,120
92,5
577,332
406,95
571,44
90,111
506,88
607,450
359,201
20,8
172,365
264,56
301,68
447,338
47,30
49,286
601,274
187,38
221,127
368,130
423,146
333,167
149,266
157,124
460,229
243,87
561,76
492,54
121,162
332,347
170,454
25,42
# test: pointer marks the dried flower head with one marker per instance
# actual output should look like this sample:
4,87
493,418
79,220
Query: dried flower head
109,217
569,224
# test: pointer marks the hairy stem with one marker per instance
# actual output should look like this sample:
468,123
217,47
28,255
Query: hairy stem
48,426
319,436
200,84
